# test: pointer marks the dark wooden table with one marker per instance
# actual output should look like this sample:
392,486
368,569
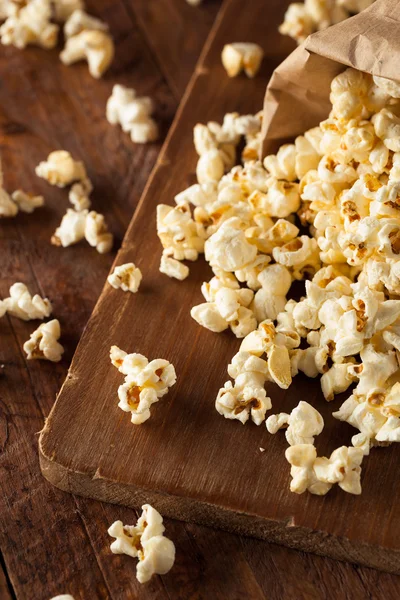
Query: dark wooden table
51,542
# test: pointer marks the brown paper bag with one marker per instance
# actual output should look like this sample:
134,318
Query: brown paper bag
297,96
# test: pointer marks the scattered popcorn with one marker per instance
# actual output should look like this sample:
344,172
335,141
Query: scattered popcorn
303,423
92,43
133,113
317,475
145,541
30,25
302,19
61,169
145,382
43,343
237,57
22,305
127,277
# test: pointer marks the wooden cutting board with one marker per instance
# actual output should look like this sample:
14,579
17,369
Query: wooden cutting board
187,460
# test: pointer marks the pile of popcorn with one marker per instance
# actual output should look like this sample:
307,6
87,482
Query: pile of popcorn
341,180
303,18
37,22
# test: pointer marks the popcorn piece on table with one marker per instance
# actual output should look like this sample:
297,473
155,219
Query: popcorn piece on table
78,225
317,475
242,56
79,194
133,113
43,343
63,597
61,169
173,268
145,382
8,208
27,202
30,25
303,423
88,39
145,541
97,234
127,277
22,305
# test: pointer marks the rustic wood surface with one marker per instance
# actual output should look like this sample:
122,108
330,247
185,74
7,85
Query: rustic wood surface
50,541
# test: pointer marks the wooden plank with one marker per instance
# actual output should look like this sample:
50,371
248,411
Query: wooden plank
176,32
185,459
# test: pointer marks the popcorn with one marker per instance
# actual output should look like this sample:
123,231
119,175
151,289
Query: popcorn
22,305
242,56
78,225
173,268
61,169
228,248
145,541
227,307
387,128
97,234
145,382
30,25
63,597
298,23
241,404
27,202
303,423
133,113
71,230
317,475
390,87
92,45
127,277
79,194
43,343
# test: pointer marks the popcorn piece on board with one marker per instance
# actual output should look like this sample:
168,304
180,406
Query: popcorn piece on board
30,25
242,56
43,343
97,234
78,225
61,169
303,423
145,382
22,305
133,113
317,475
145,541
127,277
63,597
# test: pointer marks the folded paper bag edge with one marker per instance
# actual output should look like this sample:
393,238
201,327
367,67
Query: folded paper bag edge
297,96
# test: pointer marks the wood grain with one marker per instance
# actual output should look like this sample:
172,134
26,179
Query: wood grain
185,460
51,542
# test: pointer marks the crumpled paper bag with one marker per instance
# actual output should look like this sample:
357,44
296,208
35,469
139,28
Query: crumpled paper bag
297,97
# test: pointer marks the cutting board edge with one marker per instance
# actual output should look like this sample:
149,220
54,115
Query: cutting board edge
284,533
